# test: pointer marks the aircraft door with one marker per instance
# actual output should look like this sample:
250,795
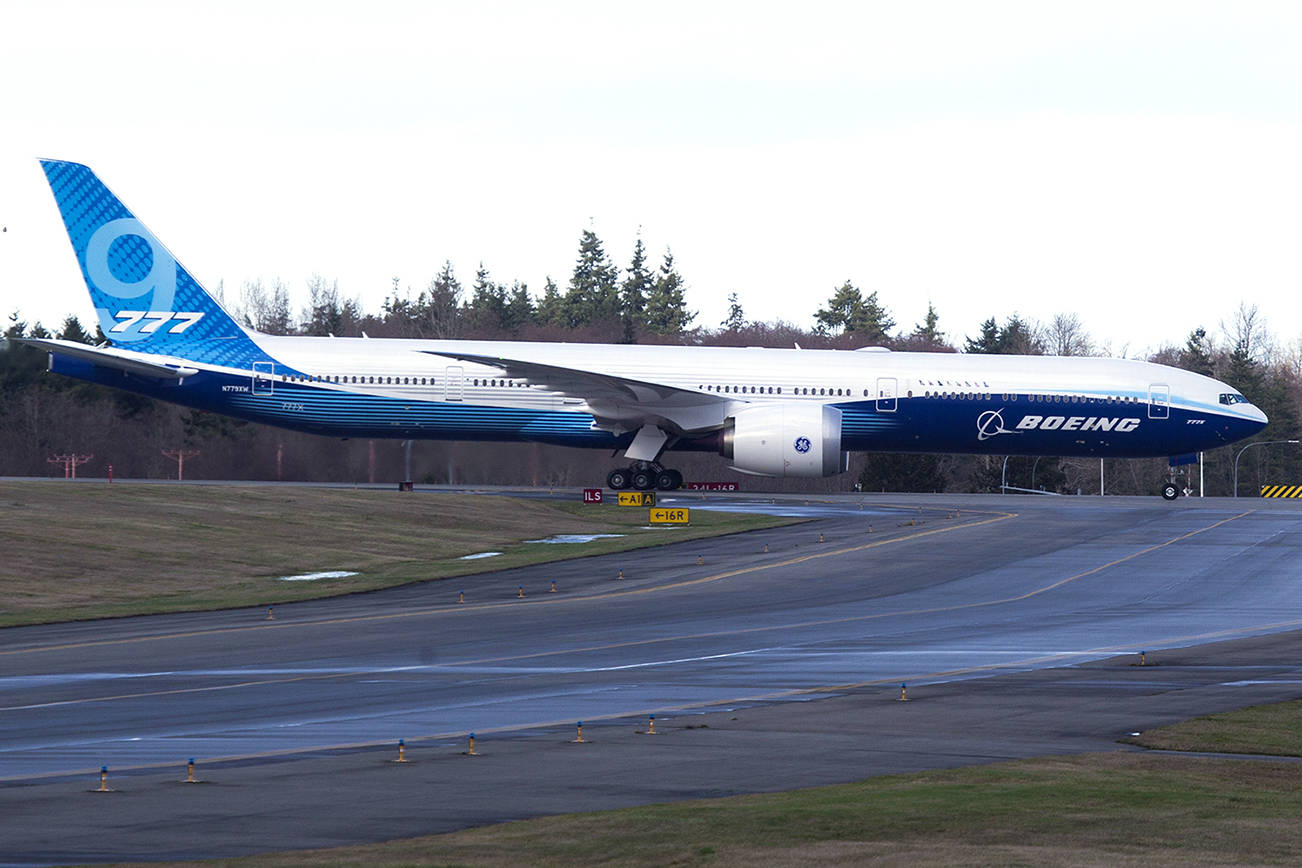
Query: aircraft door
453,383
264,378
1159,401
887,390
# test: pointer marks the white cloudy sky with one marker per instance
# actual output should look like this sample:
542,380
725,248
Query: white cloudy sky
1137,164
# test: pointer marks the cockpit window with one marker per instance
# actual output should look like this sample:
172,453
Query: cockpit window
1233,398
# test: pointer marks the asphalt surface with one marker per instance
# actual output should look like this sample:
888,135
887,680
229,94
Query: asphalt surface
1015,623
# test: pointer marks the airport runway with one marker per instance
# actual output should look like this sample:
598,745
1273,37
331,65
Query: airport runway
941,591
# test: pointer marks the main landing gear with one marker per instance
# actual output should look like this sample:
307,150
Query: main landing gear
644,476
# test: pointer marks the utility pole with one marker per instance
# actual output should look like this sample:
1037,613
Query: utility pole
70,463
179,456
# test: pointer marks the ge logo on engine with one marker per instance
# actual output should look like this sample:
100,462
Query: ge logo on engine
803,445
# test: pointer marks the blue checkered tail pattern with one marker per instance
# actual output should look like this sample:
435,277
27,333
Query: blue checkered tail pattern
146,301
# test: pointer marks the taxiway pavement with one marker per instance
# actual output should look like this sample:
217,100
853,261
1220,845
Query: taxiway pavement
1014,622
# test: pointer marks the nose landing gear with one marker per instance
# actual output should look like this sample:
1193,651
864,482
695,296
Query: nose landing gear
644,476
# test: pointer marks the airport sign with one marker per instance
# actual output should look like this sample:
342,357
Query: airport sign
637,498
665,515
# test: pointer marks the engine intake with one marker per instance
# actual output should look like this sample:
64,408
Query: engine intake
802,440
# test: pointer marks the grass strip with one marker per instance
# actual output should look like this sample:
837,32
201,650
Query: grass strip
91,550
1274,729
1096,809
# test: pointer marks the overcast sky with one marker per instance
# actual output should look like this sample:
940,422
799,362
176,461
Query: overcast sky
1138,164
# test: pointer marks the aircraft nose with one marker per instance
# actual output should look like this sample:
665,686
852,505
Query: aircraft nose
1250,422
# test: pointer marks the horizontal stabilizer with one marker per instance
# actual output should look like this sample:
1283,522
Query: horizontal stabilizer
146,365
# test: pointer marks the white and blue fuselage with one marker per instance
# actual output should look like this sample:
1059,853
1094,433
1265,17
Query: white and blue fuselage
776,412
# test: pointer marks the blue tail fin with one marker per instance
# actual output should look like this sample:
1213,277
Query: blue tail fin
145,300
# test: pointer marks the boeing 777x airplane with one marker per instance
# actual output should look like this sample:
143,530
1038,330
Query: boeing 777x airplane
769,412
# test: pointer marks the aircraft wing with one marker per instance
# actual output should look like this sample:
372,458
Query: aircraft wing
144,364
618,403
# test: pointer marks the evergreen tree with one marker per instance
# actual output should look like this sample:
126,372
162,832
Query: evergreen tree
439,306
72,331
633,293
1244,373
987,342
845,304
551,307
736,319
666,306
399,313
873,322
593,294
519,308
486,310
1197,353
1016,337
927,333
849,311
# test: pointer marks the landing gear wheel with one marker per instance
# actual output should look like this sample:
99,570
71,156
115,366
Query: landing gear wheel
1170,491
669,480
643,480
617,479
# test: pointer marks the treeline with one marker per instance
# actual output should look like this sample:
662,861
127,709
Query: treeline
644,303
42,417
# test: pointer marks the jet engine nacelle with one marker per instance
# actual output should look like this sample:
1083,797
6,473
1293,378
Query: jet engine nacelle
784,440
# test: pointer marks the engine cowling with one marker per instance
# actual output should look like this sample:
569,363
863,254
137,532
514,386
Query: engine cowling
784,440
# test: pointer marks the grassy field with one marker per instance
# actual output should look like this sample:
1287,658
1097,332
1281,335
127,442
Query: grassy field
92,550
1261,729
1092,809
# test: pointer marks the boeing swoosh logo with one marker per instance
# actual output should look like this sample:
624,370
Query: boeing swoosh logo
991,424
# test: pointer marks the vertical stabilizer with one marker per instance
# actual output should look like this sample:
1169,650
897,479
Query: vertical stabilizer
145,299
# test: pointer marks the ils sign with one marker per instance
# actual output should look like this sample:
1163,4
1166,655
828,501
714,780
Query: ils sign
669,516
592,495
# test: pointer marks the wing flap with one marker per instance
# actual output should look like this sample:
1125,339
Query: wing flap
617,403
